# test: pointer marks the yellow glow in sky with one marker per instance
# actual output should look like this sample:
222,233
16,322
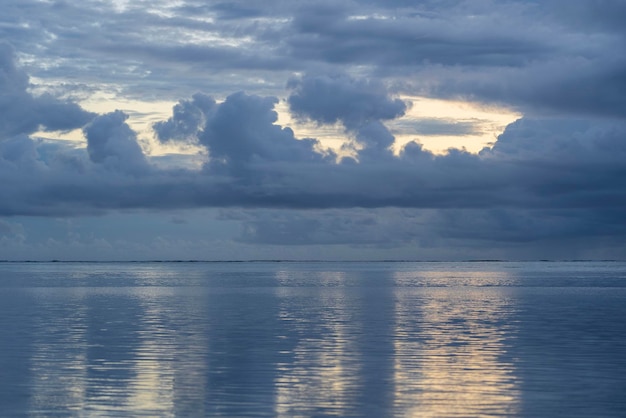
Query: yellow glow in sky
487,123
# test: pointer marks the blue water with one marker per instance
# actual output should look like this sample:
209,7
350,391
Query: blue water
313,339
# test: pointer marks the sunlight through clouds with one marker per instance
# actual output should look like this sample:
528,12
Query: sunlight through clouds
485,124
502,119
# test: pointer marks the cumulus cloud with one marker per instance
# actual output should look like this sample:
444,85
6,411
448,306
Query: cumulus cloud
188,119
329,99
244,131
557,173
240,134
23,113
542,163
110,141
18,150
360,105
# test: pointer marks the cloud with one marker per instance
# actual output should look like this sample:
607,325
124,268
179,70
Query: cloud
18,150
240,134
355,227
522,53
591,15
557,173
188,119
23,113
573,86
389,35
110,141
243,131
254,162
493,233
11,230
359,104
339,98
234,10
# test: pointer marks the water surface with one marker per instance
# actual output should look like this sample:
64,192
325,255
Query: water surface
313,339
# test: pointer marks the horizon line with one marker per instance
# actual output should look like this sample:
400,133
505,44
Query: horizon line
313,261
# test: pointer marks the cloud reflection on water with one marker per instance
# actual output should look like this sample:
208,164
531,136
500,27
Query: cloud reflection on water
59,362
104,351
296,340
450,350
322,373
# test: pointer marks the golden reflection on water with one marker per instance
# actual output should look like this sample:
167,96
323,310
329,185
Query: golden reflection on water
169,365
152,387
450,359
150,369
446,354
322,374
67,328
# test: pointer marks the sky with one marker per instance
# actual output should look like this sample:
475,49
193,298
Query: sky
326,130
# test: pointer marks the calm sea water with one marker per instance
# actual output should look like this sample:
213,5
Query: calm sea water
313,339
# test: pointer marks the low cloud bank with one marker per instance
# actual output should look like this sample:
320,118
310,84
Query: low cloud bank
544,177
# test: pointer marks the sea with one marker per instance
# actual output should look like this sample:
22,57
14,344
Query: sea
313,339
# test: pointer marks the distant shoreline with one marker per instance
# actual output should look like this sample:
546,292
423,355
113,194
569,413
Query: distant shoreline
307,261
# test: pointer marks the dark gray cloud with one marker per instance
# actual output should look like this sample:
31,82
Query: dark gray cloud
513,195
356,227
428,33
23,113
11,232
360,105
563,86
445,233
534,55
234,10
556,175
188,119
591,15
253,162
536,163
330,99
243,128
20,149
111,142
240,134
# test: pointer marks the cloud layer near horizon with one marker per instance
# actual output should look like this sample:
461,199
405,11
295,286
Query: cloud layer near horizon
555,174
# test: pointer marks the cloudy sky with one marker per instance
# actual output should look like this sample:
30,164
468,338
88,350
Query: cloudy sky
339,129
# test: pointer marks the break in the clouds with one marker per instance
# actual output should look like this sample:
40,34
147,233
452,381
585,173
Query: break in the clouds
292,114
